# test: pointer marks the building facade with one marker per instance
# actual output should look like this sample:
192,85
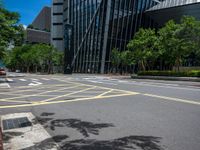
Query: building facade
43,20
57,32
41,28
92,28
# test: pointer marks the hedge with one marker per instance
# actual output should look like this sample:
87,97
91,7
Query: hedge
193,73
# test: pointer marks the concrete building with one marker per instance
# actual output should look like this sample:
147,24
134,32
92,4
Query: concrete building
57,32
43,20
87,30
40,33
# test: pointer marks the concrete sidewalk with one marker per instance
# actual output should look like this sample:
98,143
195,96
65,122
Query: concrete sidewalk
192,79
1,139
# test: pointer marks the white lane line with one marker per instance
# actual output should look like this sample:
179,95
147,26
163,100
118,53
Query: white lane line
35,83
9,80
23,80
173,99
34,79
102,82
4,85
163,86
95,81
45,79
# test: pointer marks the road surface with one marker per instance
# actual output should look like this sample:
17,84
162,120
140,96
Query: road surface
83,112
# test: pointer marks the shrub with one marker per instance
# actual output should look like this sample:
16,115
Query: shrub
193,73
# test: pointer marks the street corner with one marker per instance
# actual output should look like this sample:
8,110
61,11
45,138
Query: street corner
23,131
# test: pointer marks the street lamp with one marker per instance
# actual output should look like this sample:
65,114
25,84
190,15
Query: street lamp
68,45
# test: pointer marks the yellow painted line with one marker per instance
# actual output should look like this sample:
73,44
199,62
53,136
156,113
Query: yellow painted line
41,86
61,101
33,89
24,96
13,101
50,99
173,99
105,93
129,92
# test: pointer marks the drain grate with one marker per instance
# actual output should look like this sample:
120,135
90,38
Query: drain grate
16,123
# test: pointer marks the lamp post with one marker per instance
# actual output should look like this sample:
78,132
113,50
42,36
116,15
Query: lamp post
68,52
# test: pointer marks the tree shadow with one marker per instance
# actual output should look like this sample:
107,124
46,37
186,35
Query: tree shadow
85,128
48,143
41,120
9,135
47,114
125,143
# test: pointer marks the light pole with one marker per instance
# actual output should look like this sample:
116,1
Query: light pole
68,46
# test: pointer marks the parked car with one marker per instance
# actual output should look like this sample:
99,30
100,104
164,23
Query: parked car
2,72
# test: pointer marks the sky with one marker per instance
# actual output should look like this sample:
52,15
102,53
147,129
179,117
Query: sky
28,9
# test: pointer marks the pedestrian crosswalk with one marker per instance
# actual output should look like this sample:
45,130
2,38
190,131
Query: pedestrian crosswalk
7,82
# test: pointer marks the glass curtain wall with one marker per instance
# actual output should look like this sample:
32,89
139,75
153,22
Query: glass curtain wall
101,25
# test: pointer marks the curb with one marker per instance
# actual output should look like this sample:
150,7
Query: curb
1,139
192,79
15,76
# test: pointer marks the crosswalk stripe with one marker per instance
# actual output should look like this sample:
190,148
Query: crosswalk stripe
34,79
4,85
9,80
35,83
45,79
23,80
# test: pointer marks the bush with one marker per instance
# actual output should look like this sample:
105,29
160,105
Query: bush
193,73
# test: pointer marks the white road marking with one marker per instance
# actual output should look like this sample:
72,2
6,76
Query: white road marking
164,86
9,80
102,82
35,83
45,79
30,135
34,79
173,99
4,85
23,80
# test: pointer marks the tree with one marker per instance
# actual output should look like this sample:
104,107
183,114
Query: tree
178,41
8,28
30,26
115,59
127,59
144,47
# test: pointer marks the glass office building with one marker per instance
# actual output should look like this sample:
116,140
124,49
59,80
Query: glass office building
92,28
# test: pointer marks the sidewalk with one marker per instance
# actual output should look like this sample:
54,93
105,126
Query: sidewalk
1,139
192,79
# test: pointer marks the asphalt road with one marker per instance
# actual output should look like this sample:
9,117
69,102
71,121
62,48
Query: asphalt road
94,112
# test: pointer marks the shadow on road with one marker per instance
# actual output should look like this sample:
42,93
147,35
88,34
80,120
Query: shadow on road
86,128
125,143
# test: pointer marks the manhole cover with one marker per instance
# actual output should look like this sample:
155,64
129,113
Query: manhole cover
16,123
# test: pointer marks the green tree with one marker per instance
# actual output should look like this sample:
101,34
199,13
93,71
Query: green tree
115,59
30,26
8,28
127,59
144,47
178,41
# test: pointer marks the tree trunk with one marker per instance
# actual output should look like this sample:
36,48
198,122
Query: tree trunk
36,68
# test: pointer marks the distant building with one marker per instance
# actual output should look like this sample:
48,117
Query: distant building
88,30
57,30
40,32
43,20
37,36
